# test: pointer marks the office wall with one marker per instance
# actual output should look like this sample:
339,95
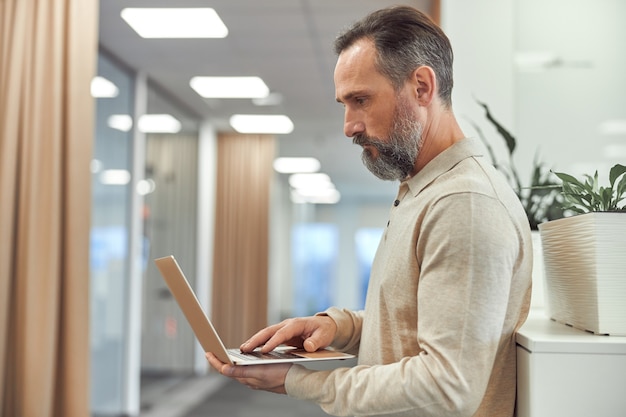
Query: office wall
482,37
551,72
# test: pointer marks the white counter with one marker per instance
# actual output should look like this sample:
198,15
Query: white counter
563,371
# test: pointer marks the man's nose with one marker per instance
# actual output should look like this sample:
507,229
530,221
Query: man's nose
352,125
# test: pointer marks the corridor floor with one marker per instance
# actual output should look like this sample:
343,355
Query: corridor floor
236,400
216,396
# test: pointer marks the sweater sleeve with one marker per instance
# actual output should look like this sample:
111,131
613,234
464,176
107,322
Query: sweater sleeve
467,262
348,328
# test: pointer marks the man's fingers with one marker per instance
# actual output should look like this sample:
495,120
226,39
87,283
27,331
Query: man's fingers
266,377
322,335
273,336
258,339
319,339
309,345
224,368
218,365
312,333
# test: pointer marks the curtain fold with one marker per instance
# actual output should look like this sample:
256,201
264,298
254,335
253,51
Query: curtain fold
240,272
48,55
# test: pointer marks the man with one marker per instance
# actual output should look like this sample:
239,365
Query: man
450,282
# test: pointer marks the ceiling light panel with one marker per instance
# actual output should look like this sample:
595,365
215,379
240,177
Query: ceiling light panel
332,196
286,165
258,123
158,123
230,87
103,88
172,23
121,122
316,180
314,188
272,99
115,177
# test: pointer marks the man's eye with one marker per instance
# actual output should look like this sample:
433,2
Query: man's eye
360,100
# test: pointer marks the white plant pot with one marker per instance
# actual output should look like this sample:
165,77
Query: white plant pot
538,299
585,271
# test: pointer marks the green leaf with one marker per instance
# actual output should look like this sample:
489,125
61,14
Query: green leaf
621,187
605,202
615,172
590,186
508,138
566,178
587,195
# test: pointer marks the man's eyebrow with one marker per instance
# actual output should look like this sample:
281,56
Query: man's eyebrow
349,96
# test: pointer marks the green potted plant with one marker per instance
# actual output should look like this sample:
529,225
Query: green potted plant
540,198
585,254
588,196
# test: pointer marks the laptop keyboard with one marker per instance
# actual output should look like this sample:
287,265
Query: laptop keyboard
257,355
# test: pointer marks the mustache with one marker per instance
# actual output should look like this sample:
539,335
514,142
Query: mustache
359,140
364,140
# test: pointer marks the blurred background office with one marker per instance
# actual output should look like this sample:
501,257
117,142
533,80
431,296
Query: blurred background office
161,166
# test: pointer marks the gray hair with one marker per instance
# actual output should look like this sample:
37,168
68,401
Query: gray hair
405,39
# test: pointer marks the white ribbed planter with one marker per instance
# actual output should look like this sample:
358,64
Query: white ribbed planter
585,271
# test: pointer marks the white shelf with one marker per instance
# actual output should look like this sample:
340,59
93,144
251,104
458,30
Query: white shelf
540,334
562,371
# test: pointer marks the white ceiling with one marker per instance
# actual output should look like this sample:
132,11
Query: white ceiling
288,43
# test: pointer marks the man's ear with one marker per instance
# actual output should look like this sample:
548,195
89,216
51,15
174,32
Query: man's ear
425,84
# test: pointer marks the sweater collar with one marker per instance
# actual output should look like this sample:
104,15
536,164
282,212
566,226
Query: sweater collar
444,162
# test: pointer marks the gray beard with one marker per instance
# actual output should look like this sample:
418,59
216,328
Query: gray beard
397,155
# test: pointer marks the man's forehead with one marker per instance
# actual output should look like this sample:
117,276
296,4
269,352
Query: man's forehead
356,61
361,52
356,71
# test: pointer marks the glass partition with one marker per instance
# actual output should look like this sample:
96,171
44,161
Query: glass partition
109,254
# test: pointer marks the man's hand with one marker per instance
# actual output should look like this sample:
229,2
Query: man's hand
265,377
310,333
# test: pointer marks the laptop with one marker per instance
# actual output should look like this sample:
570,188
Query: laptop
210,340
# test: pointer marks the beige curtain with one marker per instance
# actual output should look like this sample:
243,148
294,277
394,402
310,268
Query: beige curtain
47,59
240,272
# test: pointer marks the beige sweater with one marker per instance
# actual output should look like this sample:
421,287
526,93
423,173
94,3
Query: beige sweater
449,287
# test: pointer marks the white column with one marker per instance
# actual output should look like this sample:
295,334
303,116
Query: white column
131,379
207,176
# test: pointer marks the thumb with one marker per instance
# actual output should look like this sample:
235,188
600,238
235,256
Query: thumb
310,345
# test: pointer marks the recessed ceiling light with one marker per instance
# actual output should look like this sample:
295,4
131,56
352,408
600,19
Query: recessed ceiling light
158,123
316,180
330,196
293,165
96,166
103,88
122,122
259,123
145,187
229,87
175,22
272,99
115,177
315,188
